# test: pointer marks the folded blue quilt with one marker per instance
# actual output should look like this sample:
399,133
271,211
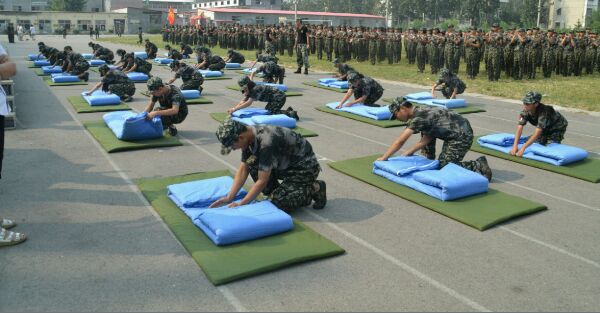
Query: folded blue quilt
100,97
249,70
87,56
51,69
190,94
451,103
64,78
339,84
280,87
244,120
450,183
137,76
163,60
275,119
249,112
133,126
327,80
141,54
40,63
554,153
195,196
233,65
35,56
207,73
376,113
226,226
419,96
96,62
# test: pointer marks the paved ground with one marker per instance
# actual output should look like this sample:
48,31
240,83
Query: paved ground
96,244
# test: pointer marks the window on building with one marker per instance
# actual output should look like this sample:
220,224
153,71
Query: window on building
64,24
557,25
260,20
84,24
227,2
24,23
155,19
235,19
95,9
101,24
45,26
273,2
17,8
559,11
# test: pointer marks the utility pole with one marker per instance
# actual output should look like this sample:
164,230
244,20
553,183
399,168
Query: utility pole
539,12
295,10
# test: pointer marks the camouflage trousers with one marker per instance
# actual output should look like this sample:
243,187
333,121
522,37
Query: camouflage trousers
556,136
80,68
277,102
447,91
216,66
302,55
372,98
144,68
169,120
421,57
122,90
548,62
295,190
193,84
275,78
472,60
453,152
106,57
493,63
269,48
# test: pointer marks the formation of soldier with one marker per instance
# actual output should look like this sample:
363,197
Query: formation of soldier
518,53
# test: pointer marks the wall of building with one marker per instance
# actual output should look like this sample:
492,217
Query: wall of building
247,4
267,19
148,20
48,22
567,13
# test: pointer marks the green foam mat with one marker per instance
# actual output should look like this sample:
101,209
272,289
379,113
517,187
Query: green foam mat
220,117
479,211
315,84
380,123
217,78
31,65
81,106
287,93
39,72
466,110
587,169
49,81
111,144
201,100
233,262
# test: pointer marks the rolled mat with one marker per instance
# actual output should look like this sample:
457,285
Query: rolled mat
380,123
201,100
49,81
220,117
287,93
111,144
81,106
588,169
316,84
479,211
229,263
466,110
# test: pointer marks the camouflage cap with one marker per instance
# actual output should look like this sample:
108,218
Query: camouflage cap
174,64
336,61
154,83
353,76
244,81
228,133
395,106
41,43
532,97
103,68
445,72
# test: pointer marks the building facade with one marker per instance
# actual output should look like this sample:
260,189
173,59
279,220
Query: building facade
568,13
48,22
242,4
44,5
149,20
178,6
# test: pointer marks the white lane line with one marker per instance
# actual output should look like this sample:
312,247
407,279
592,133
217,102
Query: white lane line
230,297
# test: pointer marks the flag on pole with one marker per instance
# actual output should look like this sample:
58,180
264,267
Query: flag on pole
171,16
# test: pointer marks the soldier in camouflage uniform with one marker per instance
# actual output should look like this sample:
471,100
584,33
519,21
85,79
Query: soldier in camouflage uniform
192,79
590,54
472,47
235,57
319,42
365,90
451,85
494,50
411,46
302,45
550,125
329,43
172,106
269,38
579,54
274,97
76,64
136,64
518,41
210,62
452,51
272,73
422,41
186,51
549,53
115,82
281,163
103,53
568,58
343,69
397,42
151,49
529,55
372,37
436,60
436,123
172,53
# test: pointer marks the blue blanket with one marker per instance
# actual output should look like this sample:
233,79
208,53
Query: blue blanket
163,60
141,54
249,112
275,119
249,70
133,126
96,62
100,97
51,69
64,78
137,76
280,87
206,73
35,56
419,96
425,98
244,120
190,94
233,65
376,113
450,183
327,80
226,226
87,56
333,83
40,63
553,153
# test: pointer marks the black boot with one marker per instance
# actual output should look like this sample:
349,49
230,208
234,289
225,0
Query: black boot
299,70
306,71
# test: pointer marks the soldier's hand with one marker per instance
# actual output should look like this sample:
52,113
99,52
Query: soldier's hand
230,111
513,151
339,106
219,203
381,158
520,153
233,205
87,93
151,115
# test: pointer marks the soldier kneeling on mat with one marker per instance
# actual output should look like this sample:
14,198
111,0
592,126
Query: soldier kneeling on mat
116,82
235,57
343,69
365,90
150,48
172,53
210,62
451,85
192,79
135,64
272,73
274,97
76,64
172,106
436,123
281,163
550,125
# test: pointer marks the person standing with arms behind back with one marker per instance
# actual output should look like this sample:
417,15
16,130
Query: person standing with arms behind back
140,35
302,46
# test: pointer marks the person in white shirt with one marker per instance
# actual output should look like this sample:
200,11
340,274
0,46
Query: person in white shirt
32,32
20,32
8,69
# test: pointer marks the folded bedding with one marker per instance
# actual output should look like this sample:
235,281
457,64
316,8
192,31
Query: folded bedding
40,63
87,56
249,112
141,54
163,60
275,119
133,126
190,94
49,69
249,70
96,62
280,87
35,56
339,84
553,153
233,65
326,80
100,97
449,183
419,96
64,78
137,76
207,73
376,113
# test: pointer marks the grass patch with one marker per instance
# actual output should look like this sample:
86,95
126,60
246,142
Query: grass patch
570,92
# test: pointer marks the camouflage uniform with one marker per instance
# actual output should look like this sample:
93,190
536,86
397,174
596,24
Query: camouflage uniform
192,79
552,123
301,48
269,47
450,127
105,54
118,83
215,63
451,82
329,45
549,56
494,50
343,70
275,99
421,42
151,50
79,64
272,72
289,157
143,66
236,57
368,87
166,102
472,55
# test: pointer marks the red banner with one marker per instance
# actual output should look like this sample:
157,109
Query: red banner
171,16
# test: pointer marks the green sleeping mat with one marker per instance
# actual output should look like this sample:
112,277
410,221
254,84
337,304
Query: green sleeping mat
315,84
287,93
466,110
380,123
201,100
111,144
49,81
220,117
81,106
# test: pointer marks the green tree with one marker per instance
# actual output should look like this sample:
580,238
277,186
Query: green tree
68,5
594,21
